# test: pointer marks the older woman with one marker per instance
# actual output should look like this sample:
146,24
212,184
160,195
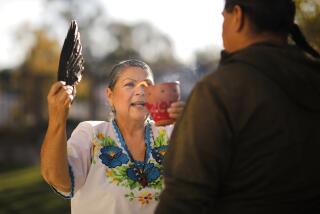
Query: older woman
108,167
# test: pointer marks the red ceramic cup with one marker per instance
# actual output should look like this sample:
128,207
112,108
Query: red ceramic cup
159,98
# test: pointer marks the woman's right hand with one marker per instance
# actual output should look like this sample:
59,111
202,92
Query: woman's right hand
59,99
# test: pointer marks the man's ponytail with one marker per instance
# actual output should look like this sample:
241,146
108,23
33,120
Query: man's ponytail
301,42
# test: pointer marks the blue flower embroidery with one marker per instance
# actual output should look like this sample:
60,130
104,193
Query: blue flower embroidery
158,153
112,156
152,172
143,176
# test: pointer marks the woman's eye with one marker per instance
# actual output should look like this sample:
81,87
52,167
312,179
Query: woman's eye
129,84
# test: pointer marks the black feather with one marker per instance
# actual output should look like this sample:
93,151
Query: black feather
71,59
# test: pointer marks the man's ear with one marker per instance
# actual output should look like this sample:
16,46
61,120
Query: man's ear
239,19
109,95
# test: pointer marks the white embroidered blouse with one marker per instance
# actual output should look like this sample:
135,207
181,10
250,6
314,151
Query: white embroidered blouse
104,177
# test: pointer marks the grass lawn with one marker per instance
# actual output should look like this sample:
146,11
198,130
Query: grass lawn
24,191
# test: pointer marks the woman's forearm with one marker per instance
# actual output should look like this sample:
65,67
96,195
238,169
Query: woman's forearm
54,163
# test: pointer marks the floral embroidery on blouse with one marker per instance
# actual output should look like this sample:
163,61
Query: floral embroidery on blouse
122,172
150,171
144,197
113,156
160,146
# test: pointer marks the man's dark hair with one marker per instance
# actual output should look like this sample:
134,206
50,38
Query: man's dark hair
276,16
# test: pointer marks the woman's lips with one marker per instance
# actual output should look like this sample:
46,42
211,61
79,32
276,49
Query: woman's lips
138,103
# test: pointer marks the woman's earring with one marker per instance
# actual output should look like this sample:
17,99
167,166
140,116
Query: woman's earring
112,112
113,109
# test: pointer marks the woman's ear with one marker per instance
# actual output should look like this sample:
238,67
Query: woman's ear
109,95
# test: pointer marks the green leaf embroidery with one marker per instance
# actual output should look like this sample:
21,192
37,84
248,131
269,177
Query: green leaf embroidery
109,141
161,139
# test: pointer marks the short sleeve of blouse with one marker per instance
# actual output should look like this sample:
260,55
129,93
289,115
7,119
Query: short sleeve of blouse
79,157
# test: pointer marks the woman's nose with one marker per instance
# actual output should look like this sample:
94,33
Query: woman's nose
139,90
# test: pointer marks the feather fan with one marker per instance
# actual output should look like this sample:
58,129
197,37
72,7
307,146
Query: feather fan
71,59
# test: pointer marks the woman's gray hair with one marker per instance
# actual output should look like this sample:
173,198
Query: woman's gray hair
119,67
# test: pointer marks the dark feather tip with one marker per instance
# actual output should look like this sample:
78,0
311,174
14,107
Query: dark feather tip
71,60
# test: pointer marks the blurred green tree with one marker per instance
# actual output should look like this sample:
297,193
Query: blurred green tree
106,42
308,18
105,39
34,77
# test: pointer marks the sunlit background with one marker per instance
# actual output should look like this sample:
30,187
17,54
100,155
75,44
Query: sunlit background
180,40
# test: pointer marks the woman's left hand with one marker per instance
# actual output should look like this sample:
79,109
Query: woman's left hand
175,109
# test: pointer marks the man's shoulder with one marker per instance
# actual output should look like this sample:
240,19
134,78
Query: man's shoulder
231,73
234,80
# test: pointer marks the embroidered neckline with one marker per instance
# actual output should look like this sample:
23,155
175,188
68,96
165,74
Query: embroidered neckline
121,171
138,166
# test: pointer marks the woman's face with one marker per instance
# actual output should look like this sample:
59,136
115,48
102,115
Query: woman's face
127,96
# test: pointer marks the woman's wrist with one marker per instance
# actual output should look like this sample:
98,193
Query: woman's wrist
57,124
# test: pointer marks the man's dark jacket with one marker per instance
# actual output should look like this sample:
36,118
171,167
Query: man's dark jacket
248,141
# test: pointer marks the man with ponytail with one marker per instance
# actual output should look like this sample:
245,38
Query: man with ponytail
248,141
